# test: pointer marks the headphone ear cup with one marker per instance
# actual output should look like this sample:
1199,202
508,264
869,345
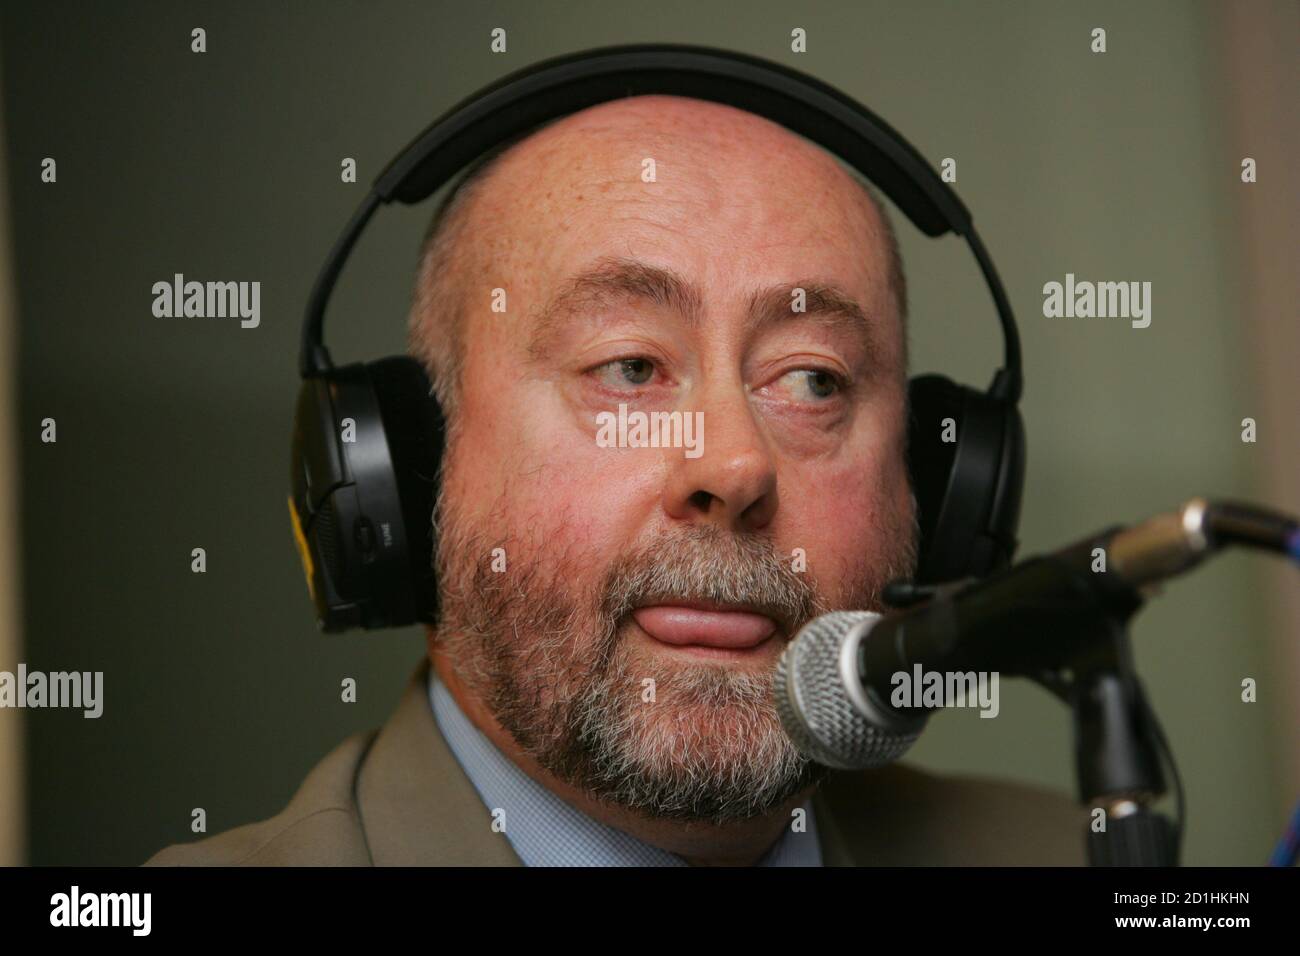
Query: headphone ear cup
366,456
416,432
966,456
316,470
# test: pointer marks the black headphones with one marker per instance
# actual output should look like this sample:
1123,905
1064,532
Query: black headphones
368,437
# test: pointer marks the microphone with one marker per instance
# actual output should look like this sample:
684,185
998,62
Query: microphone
824,704
833,683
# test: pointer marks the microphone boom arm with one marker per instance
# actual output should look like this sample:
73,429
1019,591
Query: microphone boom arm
1070,635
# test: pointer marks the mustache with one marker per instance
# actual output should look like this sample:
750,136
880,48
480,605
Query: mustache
706,564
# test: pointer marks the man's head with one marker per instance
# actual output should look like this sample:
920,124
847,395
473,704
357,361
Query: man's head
661,255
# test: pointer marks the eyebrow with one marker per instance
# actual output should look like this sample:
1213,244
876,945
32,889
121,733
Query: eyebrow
613,279
823,302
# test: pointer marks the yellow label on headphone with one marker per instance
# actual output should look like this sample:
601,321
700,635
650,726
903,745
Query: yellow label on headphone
304,552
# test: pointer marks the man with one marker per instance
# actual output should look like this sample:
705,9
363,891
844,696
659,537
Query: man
613,609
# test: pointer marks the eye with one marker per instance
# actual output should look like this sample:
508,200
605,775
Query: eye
812,384
625,371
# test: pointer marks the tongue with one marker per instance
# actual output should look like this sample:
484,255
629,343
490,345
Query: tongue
687,625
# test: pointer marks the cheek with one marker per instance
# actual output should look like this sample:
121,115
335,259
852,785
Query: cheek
847,515
537,480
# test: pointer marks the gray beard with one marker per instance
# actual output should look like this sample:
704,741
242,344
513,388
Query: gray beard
669,740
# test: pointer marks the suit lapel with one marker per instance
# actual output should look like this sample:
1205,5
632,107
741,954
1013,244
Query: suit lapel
417,806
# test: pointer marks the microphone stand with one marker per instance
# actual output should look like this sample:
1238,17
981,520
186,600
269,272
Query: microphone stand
1070,634
1117,738
1074,641
1117,759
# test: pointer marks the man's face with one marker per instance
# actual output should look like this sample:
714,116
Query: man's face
621,610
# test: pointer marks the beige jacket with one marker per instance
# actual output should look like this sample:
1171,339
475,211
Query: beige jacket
397,796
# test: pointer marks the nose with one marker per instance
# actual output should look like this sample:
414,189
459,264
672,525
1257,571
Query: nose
732,484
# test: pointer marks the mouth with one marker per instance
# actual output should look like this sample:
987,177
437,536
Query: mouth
706,625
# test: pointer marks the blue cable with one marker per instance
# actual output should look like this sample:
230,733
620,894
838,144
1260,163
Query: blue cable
1288,848
1287,852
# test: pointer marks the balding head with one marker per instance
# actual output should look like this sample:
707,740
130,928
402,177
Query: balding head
440,299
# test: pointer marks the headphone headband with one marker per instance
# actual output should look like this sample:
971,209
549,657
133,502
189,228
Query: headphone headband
557,87
568,84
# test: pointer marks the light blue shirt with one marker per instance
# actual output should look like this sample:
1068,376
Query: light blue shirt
544,830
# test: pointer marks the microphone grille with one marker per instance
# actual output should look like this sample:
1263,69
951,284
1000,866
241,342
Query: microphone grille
822,705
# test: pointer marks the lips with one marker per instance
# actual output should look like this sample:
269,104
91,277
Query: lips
705,626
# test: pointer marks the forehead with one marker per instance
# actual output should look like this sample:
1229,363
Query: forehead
723,197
